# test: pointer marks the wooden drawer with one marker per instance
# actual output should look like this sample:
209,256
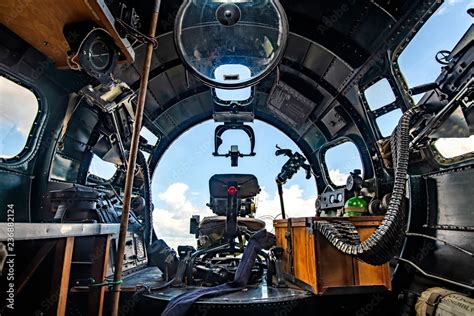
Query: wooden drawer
321,266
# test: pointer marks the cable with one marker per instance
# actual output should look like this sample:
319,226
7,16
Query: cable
471,288
161,287
442,241
142,162
72,59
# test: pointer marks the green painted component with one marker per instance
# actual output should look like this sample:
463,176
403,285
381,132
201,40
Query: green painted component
352,214
355,206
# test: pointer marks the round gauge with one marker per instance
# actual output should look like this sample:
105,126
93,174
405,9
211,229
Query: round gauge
350,183
331,199
317,203
100,54
339,197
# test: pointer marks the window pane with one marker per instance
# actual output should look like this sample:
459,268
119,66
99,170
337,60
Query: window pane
388,122
101,168
18,110
148,135
379,94
441,32
454,147
234,95
341,160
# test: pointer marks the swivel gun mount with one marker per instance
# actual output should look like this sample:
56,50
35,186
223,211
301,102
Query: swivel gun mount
234,153
289,169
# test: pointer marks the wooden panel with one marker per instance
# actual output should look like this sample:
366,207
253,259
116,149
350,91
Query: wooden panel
99,259
334,268
368,274
41,23
280,231
61,273
304,256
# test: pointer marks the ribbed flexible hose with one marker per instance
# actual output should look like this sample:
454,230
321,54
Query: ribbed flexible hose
141,161
385,242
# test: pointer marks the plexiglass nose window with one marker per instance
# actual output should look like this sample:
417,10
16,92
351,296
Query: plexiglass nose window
212,34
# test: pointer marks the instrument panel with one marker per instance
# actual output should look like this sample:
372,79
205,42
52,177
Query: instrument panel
333,199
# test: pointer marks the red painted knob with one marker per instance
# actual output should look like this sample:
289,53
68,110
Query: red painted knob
232,190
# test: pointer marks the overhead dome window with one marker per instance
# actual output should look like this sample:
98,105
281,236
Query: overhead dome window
214,36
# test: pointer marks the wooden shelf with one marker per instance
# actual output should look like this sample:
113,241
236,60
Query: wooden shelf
41,23
35,231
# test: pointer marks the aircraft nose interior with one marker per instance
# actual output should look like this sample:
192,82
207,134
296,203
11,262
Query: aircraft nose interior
121,82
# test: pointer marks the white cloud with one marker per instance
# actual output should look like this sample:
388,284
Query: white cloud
338,177
172,214
171,217
295,205
18,106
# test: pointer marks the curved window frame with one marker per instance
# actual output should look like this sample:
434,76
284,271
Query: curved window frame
333,144
30,145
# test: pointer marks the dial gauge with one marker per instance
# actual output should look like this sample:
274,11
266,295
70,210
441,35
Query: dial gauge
98,55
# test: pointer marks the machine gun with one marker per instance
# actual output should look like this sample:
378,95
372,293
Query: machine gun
289,169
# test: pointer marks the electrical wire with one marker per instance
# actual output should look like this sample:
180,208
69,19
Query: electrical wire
442,241
429,275
72,59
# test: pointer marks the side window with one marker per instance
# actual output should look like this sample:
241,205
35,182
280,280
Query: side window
341,160
18,111
150,138
379,96
388,122
101,168
454,147
441,32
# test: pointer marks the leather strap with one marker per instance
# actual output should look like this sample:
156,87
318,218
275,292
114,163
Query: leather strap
433,301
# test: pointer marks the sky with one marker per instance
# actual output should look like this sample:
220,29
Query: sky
180,184
15,121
